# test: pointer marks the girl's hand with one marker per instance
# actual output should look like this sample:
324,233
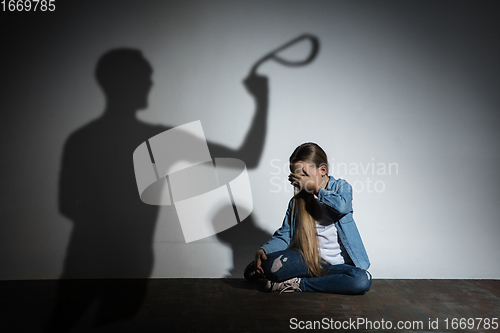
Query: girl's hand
259,256
305,182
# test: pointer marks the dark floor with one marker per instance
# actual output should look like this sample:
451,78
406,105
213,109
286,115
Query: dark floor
234,305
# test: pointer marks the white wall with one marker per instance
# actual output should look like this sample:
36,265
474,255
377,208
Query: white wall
406,85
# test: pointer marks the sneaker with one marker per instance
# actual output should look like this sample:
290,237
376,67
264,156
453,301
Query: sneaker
286,286
251,273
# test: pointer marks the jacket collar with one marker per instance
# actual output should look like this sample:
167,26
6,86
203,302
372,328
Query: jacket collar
331,182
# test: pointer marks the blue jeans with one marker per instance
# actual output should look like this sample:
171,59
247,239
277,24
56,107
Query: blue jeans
338,279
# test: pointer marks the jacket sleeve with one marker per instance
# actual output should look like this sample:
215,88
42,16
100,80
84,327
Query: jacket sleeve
339,198
281,237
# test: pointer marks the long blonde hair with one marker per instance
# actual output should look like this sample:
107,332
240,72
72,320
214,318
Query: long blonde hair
305,237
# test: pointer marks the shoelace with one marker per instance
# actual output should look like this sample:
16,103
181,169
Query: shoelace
290,286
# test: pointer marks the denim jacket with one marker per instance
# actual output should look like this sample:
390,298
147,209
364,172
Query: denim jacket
338,196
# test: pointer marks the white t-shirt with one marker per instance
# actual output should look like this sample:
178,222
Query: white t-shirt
328,243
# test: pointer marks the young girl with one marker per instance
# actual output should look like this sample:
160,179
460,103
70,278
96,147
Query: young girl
318,247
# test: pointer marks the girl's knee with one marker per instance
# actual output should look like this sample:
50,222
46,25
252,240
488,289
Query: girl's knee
284,265
362,282
272,267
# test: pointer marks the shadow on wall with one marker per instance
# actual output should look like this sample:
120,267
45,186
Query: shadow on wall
245,239
113,229
112,235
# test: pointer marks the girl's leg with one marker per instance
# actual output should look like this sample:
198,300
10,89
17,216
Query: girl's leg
284,265
339,279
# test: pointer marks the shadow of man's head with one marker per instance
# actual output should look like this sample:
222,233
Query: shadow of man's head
125,77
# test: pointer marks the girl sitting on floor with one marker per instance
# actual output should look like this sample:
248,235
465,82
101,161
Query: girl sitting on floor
318,247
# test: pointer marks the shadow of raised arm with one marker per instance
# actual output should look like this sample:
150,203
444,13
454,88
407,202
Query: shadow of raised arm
251,149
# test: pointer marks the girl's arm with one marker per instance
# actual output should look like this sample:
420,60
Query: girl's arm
281,237
339,198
